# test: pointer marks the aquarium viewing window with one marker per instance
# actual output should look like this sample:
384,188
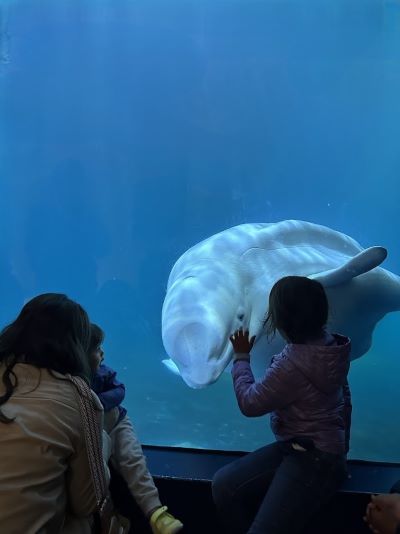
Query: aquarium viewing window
131,131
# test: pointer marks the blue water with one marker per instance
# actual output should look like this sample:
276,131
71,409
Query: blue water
130,130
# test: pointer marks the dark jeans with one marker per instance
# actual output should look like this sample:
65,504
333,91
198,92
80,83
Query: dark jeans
276,489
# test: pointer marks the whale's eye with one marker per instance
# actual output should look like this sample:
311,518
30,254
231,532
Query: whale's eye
240,316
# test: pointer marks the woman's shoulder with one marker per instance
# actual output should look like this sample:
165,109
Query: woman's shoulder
72,388
39,383
45,403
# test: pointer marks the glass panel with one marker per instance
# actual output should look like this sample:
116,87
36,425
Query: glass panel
132,130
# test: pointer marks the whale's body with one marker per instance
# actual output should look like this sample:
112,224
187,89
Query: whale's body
223,283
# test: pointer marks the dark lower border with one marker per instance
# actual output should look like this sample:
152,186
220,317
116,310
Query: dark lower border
183,477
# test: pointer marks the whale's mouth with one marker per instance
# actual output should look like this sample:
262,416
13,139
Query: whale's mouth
202,377
201,354
199,380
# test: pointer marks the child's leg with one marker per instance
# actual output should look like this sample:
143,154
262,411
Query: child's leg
128,459
239,488
302,483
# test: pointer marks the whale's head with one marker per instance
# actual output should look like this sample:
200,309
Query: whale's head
201,310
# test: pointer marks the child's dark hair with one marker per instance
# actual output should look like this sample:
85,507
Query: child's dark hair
298,308
96,337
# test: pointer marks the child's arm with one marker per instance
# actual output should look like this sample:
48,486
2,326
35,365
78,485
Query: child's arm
112,398
277,389
112,391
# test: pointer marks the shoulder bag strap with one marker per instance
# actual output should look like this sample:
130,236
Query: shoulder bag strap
93,439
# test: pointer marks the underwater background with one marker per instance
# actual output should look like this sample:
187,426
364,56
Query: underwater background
132,129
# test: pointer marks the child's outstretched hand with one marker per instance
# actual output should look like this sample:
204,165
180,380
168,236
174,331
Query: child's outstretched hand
241,342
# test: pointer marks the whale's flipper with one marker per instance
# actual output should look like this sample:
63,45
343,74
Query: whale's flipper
365,261
171,366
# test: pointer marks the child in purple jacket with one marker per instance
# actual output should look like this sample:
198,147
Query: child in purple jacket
278,488
126,455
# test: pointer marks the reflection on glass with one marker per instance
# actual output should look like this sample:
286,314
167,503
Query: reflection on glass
132,131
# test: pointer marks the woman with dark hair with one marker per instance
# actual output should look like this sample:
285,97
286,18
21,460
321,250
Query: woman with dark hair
278,488
45,480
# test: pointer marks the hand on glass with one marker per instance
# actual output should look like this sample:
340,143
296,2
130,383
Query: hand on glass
383,513
241,342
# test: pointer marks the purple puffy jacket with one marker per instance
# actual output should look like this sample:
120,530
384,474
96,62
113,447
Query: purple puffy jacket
306,390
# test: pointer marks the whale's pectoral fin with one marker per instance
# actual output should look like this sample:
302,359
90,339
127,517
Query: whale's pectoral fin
365,261
171,366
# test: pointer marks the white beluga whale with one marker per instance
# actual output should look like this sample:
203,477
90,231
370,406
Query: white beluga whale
223,283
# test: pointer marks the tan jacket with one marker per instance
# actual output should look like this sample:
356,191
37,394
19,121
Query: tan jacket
44,470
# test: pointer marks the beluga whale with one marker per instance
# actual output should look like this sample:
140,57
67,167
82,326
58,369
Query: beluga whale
223,283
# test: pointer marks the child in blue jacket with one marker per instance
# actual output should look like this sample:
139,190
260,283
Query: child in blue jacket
127,455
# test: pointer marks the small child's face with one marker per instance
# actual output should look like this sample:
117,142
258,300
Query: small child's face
97,357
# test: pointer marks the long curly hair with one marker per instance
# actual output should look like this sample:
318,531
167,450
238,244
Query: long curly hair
51,332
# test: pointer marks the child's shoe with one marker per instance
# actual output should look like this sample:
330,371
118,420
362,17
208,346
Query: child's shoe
162,522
